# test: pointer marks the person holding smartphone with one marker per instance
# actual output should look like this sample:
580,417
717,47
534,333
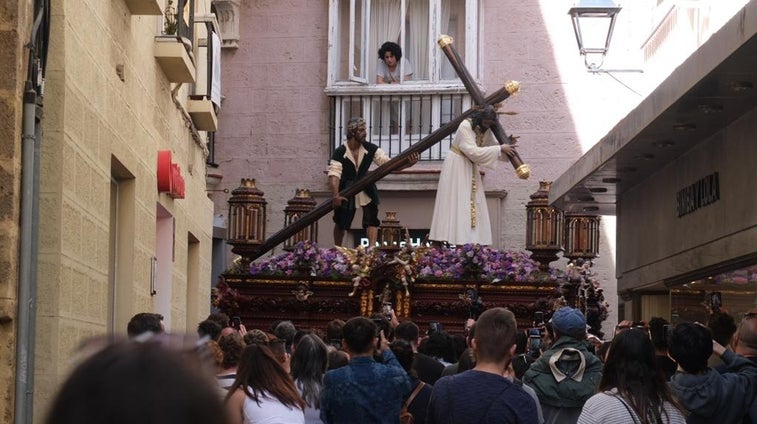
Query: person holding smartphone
566,374
364,391
710,396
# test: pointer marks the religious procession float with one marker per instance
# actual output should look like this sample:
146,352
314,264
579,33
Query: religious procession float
311,286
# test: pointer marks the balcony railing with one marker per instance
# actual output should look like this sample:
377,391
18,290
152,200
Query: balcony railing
211,144
397,120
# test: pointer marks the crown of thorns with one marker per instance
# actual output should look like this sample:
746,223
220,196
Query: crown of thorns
495,108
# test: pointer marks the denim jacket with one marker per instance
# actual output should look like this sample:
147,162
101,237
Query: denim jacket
365,391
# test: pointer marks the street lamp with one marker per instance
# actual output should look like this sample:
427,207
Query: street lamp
593,22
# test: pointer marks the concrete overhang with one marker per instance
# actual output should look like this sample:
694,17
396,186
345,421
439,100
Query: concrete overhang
714,87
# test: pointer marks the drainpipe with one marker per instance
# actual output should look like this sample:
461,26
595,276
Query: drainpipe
188,121
29,222
27,280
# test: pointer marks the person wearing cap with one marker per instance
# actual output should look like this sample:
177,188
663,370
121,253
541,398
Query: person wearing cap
567,374
350,163
460,211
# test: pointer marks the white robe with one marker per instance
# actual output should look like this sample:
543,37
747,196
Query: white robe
451,221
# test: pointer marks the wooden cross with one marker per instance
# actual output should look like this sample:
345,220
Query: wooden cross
445,42
399,161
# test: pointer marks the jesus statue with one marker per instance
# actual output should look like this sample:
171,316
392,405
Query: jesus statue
460,212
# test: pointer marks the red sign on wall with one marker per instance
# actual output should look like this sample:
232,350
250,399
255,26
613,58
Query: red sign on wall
169,176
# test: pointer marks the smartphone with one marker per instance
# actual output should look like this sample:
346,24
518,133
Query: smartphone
386,310
534,345
380,325
434,327
520,365
538,318
716,301
534,338
236,322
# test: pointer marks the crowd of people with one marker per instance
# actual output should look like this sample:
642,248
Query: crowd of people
383,370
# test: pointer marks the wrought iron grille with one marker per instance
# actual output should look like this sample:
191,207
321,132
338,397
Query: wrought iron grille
397,121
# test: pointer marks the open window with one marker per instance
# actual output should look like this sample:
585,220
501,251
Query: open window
359,27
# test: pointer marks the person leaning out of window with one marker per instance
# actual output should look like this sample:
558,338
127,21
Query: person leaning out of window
388,65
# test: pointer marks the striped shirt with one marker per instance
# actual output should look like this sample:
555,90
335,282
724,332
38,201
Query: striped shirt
607,408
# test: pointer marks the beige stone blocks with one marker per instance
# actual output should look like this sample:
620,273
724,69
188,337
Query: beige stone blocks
92,116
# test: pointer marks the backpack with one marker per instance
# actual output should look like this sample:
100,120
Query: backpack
405,416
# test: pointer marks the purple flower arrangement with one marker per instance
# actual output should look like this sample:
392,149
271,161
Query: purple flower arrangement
306,258
467,262
473,261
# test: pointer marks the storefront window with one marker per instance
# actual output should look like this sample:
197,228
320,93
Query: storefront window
734,292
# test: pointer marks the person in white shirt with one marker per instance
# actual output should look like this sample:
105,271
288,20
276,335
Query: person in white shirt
263,391
388,66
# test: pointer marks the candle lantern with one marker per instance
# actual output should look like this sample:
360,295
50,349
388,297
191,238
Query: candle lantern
390,233
544,227
581,236
247,215
299,205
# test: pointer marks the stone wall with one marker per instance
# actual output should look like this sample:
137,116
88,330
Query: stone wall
108,110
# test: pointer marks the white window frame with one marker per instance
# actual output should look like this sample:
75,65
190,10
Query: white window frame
363,77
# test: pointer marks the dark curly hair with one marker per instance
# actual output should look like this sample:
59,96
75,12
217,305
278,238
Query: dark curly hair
481,113
392,47
232,346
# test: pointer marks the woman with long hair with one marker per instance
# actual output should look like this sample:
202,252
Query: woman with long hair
632,388
309,363
263,391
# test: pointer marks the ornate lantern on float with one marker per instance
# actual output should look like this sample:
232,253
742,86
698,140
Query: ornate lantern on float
299,205
390,233
581,236
247,216
544,227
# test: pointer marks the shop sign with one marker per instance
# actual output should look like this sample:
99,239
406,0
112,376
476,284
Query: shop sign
169,176
698,195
